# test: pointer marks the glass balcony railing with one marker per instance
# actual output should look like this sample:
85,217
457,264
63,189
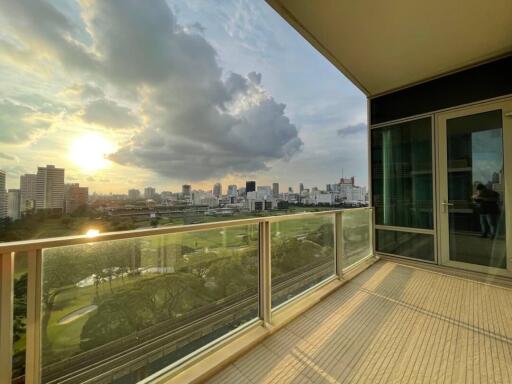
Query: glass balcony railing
302,255
356,232
119,307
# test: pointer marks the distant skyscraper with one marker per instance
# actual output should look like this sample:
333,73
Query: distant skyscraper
13,204
264,190
149,192
250,186
3,196
217,190
50,188
133,194
275,189
28,187
301,187
186,190
290,190
75,197
232,190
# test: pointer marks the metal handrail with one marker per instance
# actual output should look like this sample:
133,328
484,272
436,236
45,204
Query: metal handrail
34,249
27,245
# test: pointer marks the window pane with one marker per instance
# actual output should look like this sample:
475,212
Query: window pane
402,174
356,235
148,300
302,255
416,245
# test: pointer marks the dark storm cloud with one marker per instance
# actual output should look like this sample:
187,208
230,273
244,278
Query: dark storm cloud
109,114
197,123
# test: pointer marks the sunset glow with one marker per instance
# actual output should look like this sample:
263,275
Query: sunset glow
90,152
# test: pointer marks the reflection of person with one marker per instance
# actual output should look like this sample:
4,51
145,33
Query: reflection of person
487,202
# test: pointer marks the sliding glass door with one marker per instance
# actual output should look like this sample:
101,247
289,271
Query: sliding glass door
474,157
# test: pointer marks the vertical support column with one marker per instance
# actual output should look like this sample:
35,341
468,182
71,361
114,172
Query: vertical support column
338,241
6,315
34,298
372,230
265,283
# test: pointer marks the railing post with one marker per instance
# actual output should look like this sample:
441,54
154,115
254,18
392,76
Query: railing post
372,230
33,346
338,240
265,282
6,315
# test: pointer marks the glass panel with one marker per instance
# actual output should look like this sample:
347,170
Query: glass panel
148,301
416,245
356,235
20,317
402,174
302,255
476,188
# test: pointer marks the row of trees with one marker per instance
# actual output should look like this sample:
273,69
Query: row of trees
181,280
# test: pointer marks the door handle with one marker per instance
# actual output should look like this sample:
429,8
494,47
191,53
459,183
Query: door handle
445,204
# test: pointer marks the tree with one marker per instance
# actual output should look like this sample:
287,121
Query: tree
230,276
61,271
20,306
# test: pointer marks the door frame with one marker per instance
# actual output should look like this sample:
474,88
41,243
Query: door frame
441,181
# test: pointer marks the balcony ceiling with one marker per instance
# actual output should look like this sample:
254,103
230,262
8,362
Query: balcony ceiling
386,45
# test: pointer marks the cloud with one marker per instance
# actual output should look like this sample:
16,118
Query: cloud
43,31
19,122
6,156
198,122
84,91
355,129
109,114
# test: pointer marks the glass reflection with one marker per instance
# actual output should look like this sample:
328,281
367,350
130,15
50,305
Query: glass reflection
476,189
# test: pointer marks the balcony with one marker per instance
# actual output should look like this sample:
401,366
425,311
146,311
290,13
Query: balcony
152,305
391,323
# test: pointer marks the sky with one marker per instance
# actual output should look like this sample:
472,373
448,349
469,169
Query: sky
126,94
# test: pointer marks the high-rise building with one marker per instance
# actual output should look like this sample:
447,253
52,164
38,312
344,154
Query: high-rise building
217,190
186,190
75,197
3,196
50,188
133,194
232,190
13,204
351,181
250,186
275,189
264,190
149,192
28,186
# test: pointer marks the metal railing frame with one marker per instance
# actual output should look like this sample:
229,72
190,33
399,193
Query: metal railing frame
34,249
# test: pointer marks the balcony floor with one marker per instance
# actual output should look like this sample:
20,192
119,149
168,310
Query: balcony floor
392,323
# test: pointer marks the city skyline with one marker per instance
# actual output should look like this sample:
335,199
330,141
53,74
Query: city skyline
27,184
229,111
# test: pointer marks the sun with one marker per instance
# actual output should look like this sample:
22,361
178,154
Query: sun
90,152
